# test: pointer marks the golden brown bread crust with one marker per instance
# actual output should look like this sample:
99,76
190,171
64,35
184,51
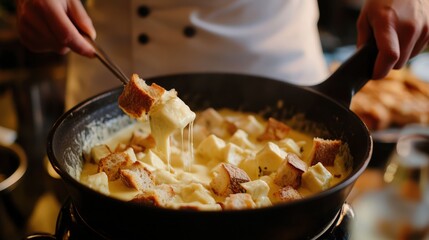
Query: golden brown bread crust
138,98
239,201
112,163
394,101
144,141
157,196
287,194
136,176
325,151
145,199
290,171
228,180
275,130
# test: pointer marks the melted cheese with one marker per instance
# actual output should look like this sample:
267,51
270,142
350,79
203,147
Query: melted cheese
191,171
166,118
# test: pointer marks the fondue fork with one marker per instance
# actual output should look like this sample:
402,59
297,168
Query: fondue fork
105,59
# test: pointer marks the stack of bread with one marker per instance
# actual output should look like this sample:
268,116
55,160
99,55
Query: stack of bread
399,99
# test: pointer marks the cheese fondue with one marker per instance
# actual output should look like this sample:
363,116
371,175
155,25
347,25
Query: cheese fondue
224,159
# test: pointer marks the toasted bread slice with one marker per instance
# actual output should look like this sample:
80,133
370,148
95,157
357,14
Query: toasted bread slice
287,194
275,130
324,151
145,141
160,195
239,201
164,109
228,179
138,97
112,163
99,152
136,176
290,171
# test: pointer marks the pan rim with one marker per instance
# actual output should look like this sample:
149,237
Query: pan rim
349,181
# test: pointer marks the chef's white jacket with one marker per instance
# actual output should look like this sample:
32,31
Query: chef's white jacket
273,38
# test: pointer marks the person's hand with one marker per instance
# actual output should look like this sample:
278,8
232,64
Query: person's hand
400,28
53,25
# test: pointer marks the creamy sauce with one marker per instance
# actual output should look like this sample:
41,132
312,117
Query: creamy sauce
190,170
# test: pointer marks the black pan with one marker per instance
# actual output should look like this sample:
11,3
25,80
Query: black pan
326,105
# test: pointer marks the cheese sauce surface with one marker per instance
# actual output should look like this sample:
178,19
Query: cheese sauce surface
192,168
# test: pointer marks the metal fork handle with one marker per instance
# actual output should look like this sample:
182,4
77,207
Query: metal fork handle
104,58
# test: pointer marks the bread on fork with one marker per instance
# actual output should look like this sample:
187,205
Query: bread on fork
138,97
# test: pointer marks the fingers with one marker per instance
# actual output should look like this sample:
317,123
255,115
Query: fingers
421,43
364,30
397,43
388,51
385,35
49,25
399,28
408,35
80,18
64,30
34,37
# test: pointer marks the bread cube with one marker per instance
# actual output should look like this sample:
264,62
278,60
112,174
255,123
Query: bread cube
241,139
258,190
317,178
229,128
209,118
269,158
136,176
233,154
286,194
196,192
121,147
158,196
227,179
164,177
290,171
153,160
250,125
113,162
289,145
211,148
179,158
200,133
129,152
324,151
138,97
187,177
251,167
215,123
172,114
99,151
343,163
274,131
239,201
98,182
167,117
140,155
143,140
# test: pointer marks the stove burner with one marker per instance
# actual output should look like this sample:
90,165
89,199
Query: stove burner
71,226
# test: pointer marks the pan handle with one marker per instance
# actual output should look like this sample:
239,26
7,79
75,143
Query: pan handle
351,76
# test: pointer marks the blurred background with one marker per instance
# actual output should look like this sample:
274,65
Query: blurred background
32,98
